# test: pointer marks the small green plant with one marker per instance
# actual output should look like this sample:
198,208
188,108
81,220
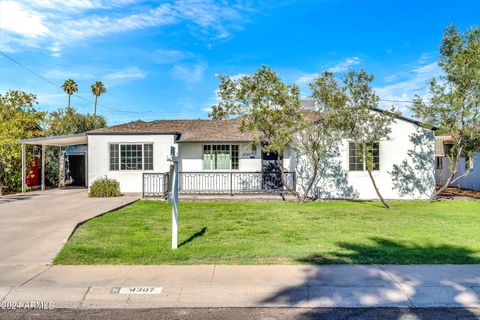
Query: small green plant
105,187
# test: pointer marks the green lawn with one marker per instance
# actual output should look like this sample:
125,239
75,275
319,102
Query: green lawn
281,233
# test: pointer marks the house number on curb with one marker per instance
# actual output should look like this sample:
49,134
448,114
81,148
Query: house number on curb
137,290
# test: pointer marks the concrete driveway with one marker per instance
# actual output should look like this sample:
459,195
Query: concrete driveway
34,226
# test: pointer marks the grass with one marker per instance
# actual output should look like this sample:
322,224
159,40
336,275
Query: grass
412,232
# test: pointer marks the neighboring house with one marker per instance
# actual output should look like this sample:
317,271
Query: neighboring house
216,157
442,171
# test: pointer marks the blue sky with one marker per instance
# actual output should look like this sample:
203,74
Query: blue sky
159,59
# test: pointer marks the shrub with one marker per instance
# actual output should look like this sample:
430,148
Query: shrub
105,187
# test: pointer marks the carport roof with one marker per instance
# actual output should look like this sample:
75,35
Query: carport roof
61,141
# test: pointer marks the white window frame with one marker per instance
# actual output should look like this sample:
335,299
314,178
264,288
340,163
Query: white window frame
364,164
120,156
211,159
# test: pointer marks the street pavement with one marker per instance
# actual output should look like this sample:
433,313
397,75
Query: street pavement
251,314
218,286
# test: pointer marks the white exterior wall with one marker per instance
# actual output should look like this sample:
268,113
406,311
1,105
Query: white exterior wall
130,180
472,181
406,168
406,164
191,157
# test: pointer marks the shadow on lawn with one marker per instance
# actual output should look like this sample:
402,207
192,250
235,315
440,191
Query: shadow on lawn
391,252
194,236
338,285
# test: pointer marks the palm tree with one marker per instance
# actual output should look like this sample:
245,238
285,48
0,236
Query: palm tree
97,89
70,87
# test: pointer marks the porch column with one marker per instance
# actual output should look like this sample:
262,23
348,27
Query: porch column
61,169
44,149
24,166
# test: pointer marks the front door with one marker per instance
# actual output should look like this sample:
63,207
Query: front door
271,179
76,170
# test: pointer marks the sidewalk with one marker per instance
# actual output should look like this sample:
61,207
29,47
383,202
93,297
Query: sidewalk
245,286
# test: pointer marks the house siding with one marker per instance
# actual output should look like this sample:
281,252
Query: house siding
410,150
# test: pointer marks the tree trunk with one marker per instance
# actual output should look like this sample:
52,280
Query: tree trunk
385,204
69,102
61,169
445,186
95,107
447,183
284,183
312,181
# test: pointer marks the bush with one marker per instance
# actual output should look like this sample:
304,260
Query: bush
104,187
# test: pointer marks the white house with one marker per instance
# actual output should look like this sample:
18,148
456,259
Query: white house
216,157
442,171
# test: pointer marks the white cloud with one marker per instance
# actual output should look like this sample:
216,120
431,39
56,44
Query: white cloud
67,22
344,65
238,76
170,56
306,78
19,20
415,82
129,73
77,74
341,66
77,5
191,74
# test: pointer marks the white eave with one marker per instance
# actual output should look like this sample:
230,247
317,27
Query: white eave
60,141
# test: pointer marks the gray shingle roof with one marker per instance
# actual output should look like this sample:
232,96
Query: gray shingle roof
188,130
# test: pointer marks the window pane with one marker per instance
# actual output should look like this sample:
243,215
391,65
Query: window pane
131,157
222,157
148,157
375,152
207,157
235,157
114,157
355,158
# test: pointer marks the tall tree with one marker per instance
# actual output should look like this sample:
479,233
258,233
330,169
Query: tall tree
18,120
265,105
354,108
70,87
313,142
454,101
97,89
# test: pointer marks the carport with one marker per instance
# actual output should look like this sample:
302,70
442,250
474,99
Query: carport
58,141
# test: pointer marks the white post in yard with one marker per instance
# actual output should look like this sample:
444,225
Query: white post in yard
24,168
43,166
173,195
175,205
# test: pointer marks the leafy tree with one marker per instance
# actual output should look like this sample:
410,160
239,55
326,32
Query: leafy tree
62,122
265,105
352,106
313,143
97,89
454,102
18,120
70,87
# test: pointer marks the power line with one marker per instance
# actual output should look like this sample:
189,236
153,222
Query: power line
399,101
120,110
30,70
55,84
